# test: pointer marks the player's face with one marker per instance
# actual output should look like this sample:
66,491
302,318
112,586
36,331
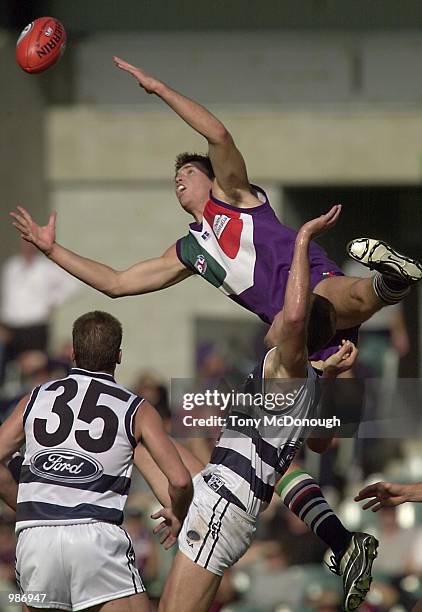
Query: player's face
192,186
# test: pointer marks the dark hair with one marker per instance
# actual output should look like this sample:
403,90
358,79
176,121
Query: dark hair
97,337
321,324
198,158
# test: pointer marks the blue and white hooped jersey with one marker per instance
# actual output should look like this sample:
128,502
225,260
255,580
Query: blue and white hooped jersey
79,451
248,460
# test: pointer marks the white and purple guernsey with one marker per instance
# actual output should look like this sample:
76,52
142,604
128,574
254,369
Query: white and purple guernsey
247,254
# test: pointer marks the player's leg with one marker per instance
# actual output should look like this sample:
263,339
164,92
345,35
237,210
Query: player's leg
134,603
189,587
354,299
357,299
353,553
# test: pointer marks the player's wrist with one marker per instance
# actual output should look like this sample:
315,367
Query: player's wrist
50,251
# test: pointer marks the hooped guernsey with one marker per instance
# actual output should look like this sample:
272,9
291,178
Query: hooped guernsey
79,451
247,254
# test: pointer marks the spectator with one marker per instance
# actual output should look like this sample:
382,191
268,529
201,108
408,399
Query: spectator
30,287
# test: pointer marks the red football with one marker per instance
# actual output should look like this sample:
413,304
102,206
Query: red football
40,44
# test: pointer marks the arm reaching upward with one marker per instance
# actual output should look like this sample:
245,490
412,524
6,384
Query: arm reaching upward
143,277
288,331
228,164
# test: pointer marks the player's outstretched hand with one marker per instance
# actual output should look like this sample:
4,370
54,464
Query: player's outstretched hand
321,224
341,361
148,82
383,494
169,528
43,237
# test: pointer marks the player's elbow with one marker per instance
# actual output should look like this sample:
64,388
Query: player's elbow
221,136
182,481
294,322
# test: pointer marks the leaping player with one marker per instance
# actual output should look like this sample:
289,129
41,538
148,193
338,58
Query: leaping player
237,244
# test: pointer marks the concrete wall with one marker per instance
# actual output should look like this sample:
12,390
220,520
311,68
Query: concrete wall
267,68
22,143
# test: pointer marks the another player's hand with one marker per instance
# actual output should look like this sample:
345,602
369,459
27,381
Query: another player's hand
341,361
43,237
321,224
148,82
383,494
169,528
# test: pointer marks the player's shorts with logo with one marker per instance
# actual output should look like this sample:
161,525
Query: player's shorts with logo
76,566
216,532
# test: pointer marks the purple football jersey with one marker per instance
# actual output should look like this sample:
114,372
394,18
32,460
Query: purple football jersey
247,254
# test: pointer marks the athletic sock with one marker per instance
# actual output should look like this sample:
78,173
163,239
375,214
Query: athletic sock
303,496
390,290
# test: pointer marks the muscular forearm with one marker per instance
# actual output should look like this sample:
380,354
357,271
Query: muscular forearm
195,115
181,497
296,300
93,273
143,277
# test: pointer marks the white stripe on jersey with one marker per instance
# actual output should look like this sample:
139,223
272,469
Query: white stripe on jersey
78,430
242,445
239,463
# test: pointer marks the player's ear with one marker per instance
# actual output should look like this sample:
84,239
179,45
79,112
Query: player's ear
119,356
72,355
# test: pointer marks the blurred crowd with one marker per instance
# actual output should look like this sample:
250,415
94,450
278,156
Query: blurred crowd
285,569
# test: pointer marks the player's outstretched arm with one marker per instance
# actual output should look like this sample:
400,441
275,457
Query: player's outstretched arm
12,436
389,494
288,332
144,277
227,161
149,428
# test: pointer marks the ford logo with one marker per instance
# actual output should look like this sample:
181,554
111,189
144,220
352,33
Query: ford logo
65,465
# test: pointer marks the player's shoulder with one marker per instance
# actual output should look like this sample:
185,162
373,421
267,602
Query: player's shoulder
249,199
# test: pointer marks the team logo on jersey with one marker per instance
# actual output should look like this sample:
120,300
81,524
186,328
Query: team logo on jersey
220,222
65,465
200,264
205,235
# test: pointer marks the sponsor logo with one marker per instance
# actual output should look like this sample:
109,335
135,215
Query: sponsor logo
65,465
49,31
57,37
200,264
220,222
205,235
25,32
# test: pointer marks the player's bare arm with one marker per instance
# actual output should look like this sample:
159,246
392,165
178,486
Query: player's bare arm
12,437
288,330
144,277
232,183
149,429
389,494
